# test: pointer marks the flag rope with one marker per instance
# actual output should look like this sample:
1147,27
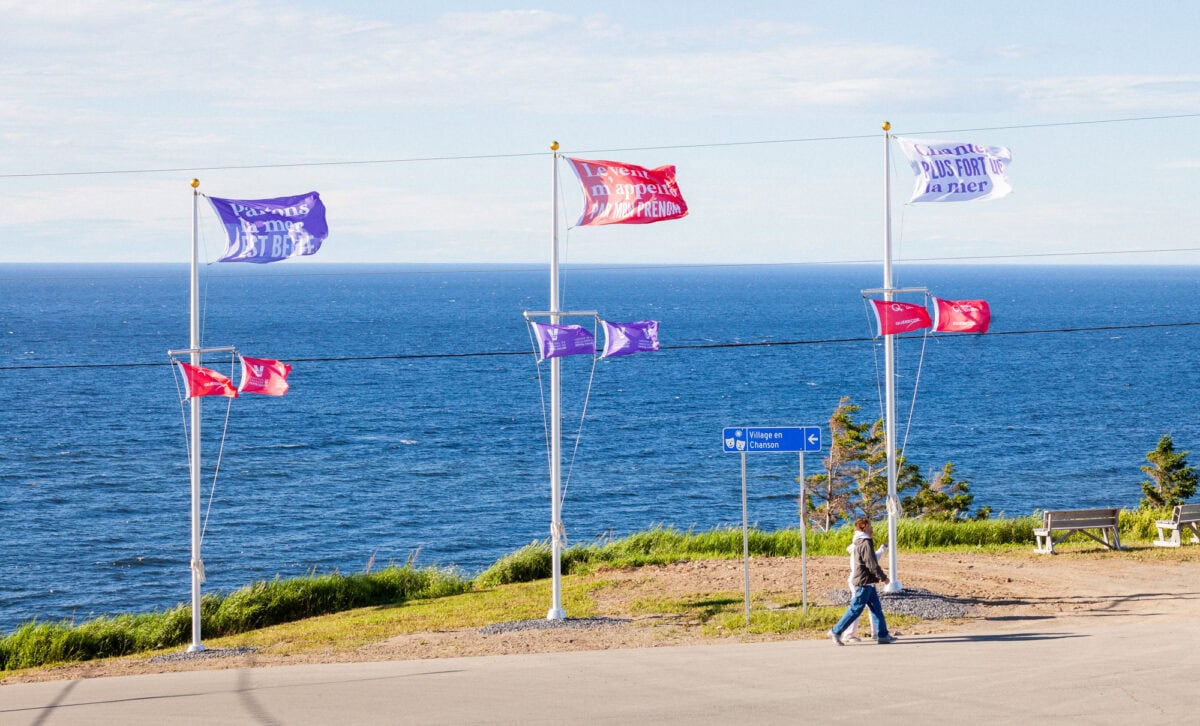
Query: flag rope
874,352
582,415
220,452
916,383
204,294
579,432
541,392
197,565
187,442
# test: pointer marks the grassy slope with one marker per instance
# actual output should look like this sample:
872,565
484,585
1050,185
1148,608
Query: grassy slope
335,612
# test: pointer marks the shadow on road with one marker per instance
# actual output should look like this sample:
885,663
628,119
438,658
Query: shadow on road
987,638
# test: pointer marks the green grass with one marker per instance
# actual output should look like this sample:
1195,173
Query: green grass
255,606
365,599
471,609
662,545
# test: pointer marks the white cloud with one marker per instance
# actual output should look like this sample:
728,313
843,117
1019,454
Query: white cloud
504,24
255,54
1180,164
1135,94
382,210
1015,51
215,83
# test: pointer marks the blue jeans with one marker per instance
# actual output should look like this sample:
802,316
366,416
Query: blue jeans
865,598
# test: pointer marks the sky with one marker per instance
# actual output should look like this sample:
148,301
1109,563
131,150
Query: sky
426,126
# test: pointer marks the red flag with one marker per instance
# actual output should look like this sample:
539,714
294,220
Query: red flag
199,381
265,376
898,317
627,194
961,316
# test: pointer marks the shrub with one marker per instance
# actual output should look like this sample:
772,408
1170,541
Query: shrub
531,562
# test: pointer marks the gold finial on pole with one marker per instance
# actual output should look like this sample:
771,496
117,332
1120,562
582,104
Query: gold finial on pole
554,146
887,125
195,184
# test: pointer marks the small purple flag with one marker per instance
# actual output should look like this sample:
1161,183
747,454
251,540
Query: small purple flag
269,230
628,338
558,340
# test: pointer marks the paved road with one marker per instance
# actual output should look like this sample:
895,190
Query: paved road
1086,670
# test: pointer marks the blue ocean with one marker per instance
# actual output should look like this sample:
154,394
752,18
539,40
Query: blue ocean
415,425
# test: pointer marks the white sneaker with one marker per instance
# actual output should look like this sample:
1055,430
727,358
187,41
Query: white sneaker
836,638
852,639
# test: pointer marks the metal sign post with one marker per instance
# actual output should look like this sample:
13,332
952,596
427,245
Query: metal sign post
803,538
745,540
768,439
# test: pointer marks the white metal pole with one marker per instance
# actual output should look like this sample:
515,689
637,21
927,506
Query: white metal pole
889,366
556,526
196,565
745,540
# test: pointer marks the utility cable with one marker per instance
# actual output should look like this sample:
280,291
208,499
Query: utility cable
697,346
665,147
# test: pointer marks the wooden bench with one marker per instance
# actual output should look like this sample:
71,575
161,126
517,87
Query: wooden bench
1071,521
1185,516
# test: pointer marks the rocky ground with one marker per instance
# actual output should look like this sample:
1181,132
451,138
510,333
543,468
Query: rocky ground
967,592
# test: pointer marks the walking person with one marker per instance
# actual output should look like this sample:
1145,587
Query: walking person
850,634
866,572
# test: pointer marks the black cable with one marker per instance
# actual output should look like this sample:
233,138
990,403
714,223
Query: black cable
479,157
699,346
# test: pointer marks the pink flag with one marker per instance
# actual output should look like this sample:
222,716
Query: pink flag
199,381
265,376
898,317
626,194
961,316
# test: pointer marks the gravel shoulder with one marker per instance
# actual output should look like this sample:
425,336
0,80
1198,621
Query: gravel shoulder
953,591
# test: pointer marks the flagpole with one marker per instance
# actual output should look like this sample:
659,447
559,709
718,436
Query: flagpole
556,527
889,366
197,566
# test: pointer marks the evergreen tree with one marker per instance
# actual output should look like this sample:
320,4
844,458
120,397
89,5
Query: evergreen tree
830,492
871,477
943,498
1172,481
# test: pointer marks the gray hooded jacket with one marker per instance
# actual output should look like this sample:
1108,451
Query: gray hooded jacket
867,570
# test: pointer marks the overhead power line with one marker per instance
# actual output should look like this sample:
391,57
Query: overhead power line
502,268
697,346
666,147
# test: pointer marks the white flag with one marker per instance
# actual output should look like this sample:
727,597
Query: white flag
952,171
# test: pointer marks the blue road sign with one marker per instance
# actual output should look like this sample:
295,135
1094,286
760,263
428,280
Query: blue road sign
770,439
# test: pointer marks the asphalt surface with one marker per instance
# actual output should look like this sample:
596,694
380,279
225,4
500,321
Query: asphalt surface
1092,670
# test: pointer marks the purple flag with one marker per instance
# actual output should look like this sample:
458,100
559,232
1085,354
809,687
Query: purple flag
628,338
269,230
559,340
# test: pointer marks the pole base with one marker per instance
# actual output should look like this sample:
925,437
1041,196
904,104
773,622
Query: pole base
893,586
195,648
556,614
